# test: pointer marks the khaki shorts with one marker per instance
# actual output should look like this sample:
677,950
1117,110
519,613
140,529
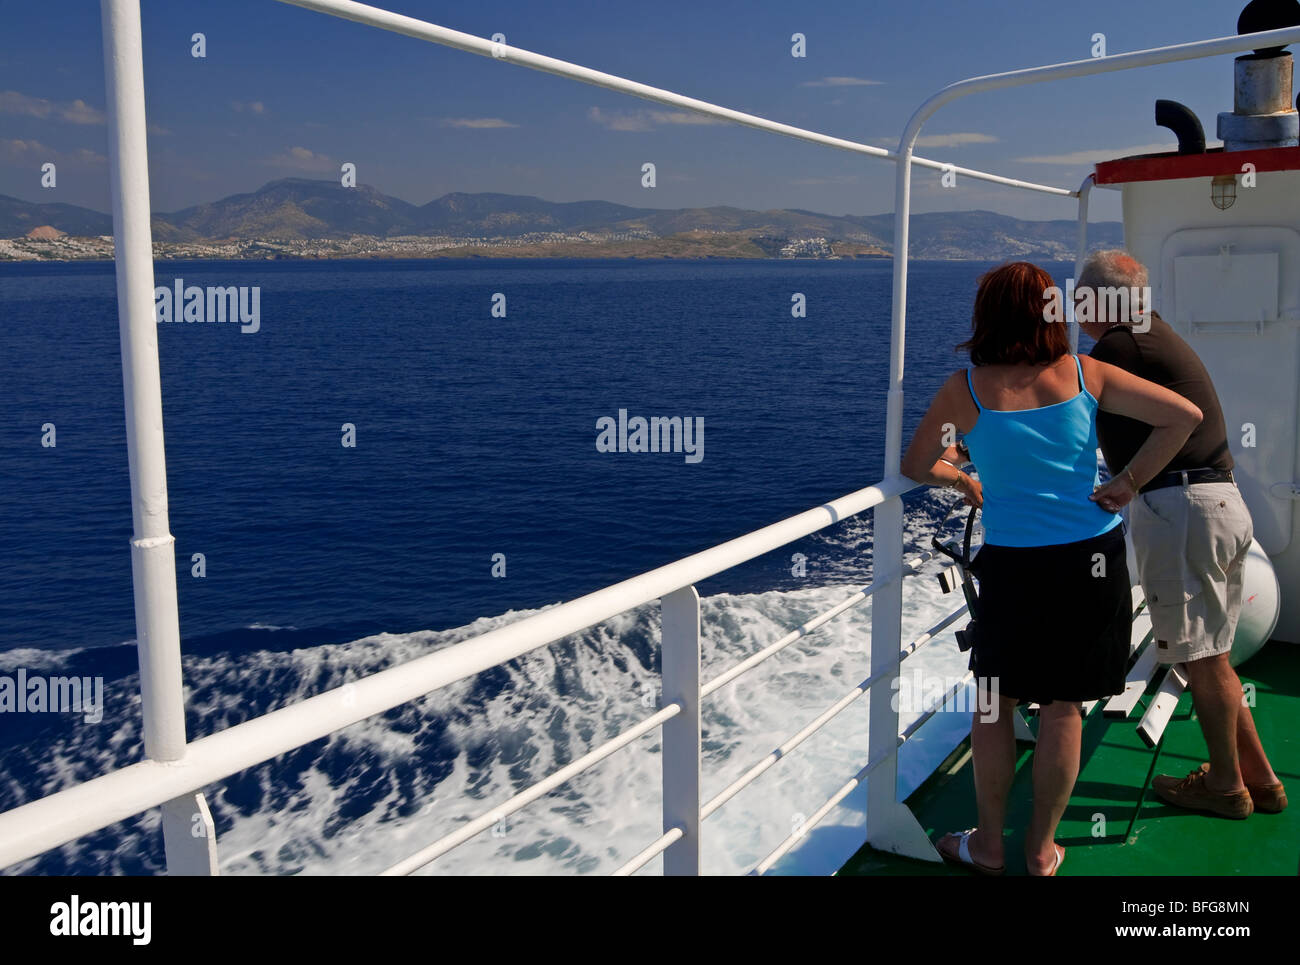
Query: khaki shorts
1191,544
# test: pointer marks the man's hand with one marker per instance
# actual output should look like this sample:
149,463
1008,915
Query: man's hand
1115,494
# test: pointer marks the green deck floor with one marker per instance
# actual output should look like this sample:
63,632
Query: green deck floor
1163,840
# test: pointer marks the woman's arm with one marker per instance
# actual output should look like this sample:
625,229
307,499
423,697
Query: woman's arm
956,455
1171,416
925,458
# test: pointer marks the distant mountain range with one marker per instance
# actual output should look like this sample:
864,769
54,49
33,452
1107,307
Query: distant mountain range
19,217
299,210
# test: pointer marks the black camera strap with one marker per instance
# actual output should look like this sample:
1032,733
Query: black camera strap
963,560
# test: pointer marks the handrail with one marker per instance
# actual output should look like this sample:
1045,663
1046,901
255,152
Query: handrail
423,30
1148,57
749,663
643,857
929,635
598,754
815,818
48,822
524,798
948,695
734,788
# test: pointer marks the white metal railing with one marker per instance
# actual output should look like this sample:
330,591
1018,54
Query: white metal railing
46,823
176,769
795,837
671,642
781,752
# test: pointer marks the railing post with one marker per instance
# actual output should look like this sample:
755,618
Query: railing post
891,826
681,734
153,556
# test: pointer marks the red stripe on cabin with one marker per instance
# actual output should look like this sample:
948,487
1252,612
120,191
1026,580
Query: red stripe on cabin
1170,167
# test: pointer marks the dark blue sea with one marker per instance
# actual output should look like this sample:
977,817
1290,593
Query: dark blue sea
475,435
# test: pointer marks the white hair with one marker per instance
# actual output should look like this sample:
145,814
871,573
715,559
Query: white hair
1114,268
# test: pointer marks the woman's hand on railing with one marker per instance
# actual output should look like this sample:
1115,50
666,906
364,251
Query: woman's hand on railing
970,488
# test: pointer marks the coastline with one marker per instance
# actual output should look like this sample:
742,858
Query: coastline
698,245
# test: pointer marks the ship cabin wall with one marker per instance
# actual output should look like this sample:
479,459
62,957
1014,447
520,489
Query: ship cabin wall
1229,282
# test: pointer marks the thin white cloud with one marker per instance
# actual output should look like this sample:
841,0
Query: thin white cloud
252,107
954,140
683,117
74,112
30,151
620,120
941,140
476,123
302,159
842,82
835,179
1092,155
79,112
645,120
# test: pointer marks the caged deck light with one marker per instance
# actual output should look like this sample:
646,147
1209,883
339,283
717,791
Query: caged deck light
1223,191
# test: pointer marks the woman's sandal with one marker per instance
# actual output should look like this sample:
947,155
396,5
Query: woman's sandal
1060,856
961,853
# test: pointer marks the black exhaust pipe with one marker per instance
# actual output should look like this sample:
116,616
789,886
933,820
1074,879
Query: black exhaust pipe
1180,119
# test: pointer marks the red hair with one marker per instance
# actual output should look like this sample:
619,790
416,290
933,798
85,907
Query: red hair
1008,325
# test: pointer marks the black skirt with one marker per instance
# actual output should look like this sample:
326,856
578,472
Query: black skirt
1053,622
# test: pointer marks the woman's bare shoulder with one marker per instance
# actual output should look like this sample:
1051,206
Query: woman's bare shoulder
1094,374
957,380
955,388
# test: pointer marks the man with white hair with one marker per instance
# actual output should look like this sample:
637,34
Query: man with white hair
1191,531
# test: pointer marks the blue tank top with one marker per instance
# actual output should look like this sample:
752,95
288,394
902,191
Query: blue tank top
1038,467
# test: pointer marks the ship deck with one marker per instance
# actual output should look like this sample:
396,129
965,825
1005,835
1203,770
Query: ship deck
1142,835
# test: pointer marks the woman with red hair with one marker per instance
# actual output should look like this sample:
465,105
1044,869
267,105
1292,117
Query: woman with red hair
1054,612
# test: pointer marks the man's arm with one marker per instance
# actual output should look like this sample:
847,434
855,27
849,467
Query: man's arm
1171,416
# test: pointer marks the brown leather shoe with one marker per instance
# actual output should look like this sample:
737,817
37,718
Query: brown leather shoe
1190,792
1270,798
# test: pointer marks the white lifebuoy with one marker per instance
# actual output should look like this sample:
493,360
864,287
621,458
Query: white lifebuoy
1261,604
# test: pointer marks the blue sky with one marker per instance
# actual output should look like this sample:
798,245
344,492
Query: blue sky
288,92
